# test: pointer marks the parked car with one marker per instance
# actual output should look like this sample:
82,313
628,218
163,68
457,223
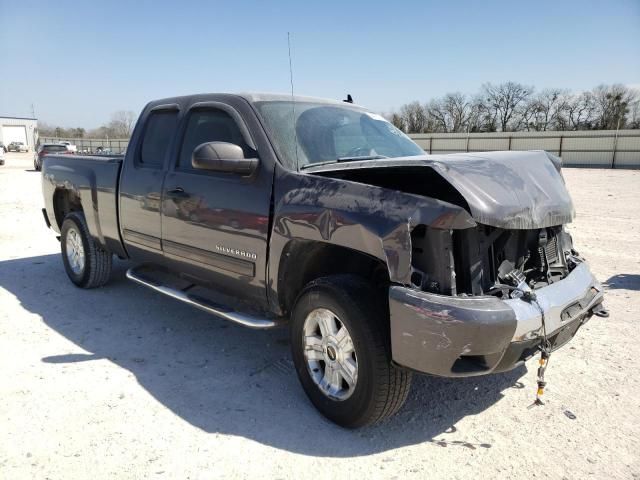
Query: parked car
18,147
3,147
266,209
70,146
47,149
1,156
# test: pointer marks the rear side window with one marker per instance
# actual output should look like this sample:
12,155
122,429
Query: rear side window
161,126
55,148
211,125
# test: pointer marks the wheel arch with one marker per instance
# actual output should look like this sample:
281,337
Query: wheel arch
303,261
65,201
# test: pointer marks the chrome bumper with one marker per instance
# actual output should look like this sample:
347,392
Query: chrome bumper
465,336
579,290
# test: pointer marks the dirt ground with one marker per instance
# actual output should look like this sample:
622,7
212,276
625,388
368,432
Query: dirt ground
123,382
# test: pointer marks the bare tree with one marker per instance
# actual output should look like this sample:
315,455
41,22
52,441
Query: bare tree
121,124
414,116
507,101
398,121
546,111
633,120
483,116
438,116
580,110
612,105
451,113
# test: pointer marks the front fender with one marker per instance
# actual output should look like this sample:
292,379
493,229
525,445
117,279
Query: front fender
372,220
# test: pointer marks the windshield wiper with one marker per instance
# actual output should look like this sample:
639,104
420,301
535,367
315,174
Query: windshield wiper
343,159
363,157
317,164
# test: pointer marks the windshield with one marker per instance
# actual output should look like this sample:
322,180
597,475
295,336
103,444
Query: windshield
328,133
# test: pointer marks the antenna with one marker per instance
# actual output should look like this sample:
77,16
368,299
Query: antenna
293,103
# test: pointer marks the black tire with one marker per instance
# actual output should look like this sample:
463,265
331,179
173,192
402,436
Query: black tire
380,389
97,261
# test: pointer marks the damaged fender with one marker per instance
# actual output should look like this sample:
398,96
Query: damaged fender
365,218
520,190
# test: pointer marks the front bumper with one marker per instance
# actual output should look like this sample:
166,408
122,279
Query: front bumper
465,336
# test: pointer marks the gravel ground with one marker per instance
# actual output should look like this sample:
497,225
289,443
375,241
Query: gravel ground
123,382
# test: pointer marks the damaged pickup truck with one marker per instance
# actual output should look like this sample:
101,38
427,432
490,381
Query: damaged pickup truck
384,261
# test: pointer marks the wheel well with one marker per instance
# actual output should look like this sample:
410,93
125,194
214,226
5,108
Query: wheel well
64,202
303,261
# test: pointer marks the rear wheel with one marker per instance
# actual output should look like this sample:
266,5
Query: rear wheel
340,346
87,264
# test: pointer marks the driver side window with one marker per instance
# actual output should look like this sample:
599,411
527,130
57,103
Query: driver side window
210,125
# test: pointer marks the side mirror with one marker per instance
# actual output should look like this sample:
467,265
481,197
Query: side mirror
223,157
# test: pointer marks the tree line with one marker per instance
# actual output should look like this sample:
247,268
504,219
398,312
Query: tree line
512,106
120,126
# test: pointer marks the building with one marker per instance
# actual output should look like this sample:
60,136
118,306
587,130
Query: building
17,129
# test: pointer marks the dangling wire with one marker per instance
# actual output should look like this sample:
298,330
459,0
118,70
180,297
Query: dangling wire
545,346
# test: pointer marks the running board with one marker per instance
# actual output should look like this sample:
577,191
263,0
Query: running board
202,303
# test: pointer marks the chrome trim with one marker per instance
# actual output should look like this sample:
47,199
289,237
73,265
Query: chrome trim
203,304
553,300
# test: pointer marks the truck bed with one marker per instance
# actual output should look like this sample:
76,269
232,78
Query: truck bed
91,181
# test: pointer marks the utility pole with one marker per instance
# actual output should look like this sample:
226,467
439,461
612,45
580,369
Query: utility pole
615,145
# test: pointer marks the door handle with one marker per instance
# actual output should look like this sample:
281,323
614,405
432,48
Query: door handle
177,192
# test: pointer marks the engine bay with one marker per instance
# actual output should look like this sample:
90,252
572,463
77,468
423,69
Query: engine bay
488,260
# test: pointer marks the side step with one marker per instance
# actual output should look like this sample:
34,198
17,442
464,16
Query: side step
137,275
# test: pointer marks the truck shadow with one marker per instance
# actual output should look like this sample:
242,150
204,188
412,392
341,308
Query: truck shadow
224,378
623,281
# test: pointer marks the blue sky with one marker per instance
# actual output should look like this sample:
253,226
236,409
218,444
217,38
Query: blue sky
78,62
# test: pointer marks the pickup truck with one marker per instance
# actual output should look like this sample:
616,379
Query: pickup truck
383,261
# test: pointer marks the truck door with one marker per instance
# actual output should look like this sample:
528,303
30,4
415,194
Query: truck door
141,184
215,224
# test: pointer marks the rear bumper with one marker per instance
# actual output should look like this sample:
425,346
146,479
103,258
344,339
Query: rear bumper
466,336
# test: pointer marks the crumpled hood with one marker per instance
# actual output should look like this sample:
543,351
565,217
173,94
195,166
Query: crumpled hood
511,190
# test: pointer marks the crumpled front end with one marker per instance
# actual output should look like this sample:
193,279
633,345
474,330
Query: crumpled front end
466,335
479,296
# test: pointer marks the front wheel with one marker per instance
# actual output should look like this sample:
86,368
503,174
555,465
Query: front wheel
87,264
340,346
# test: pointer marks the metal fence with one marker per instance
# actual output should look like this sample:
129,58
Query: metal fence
596,149
93,145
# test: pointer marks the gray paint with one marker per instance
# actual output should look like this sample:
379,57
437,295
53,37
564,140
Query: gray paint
511,190
430,332
275,207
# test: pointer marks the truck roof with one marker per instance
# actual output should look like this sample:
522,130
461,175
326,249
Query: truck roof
254,97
